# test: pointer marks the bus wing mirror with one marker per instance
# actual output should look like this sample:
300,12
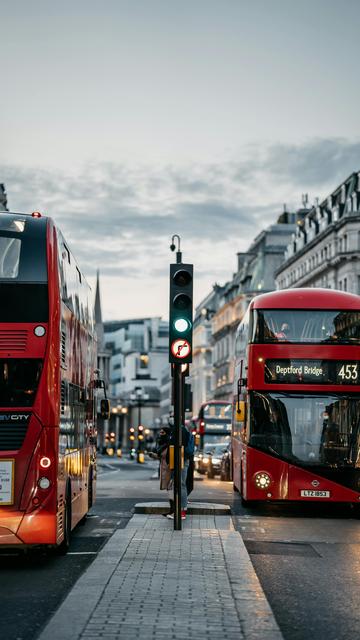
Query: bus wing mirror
240,411
105,408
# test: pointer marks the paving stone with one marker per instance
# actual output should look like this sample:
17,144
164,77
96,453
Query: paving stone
150,582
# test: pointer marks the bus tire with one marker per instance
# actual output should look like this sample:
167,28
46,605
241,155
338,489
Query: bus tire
63,548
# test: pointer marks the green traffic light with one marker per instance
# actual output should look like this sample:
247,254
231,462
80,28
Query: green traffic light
181,325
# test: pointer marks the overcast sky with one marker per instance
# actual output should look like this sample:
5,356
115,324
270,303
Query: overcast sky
129,121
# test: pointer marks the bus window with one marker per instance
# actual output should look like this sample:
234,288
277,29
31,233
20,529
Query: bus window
10,257
311,326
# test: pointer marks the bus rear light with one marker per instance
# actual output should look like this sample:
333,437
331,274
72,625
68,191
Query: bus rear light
262,480
44,483
45,462
39,331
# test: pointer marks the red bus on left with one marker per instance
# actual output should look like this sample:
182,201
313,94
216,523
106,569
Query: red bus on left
47,383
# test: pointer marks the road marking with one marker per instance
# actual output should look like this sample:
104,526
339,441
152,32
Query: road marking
82,553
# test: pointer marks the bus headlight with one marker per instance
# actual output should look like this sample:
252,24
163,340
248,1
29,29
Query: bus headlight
262,480
44,483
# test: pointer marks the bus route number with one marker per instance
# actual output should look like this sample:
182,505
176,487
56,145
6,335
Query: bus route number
348,372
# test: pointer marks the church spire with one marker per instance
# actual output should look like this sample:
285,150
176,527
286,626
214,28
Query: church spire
98,316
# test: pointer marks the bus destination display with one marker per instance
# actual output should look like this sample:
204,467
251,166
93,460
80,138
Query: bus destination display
312,372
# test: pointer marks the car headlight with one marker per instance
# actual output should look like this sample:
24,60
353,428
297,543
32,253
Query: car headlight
205,460
262,480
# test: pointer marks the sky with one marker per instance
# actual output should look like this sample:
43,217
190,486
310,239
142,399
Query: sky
128,121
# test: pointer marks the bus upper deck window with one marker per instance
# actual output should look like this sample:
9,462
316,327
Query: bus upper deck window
9,257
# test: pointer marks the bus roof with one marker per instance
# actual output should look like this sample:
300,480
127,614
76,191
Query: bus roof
306,298
34,224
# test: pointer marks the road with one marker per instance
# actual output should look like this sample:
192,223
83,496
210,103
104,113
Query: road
307,559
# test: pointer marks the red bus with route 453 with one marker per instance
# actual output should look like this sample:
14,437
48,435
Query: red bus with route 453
47,382
296,398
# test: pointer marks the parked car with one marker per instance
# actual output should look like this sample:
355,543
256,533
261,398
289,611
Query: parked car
215,456
225,464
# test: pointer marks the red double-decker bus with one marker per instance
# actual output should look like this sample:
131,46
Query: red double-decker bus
213,423
296,402
47,365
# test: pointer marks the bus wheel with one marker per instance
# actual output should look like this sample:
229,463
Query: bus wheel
63,548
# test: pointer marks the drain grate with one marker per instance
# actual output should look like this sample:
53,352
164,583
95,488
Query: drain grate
255,547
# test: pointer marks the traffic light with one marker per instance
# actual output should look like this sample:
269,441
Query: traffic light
180,313
131,433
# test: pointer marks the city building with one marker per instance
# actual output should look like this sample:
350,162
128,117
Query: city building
201,369
166,408
103,365
324,251
139,349
3,198
255,274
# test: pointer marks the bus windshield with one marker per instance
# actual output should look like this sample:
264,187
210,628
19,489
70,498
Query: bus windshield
307,429
306,326
217,411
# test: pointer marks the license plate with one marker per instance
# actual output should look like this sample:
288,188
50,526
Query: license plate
6,481
309,493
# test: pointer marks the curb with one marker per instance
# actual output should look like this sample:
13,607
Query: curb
194,508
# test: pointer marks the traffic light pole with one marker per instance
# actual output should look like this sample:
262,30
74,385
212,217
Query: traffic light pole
180,353
178,395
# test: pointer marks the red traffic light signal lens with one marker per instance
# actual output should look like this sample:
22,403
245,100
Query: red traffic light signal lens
182,301
182,278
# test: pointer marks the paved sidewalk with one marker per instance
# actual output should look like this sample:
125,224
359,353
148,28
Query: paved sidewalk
151,582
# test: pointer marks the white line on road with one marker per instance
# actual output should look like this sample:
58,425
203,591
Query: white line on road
81,553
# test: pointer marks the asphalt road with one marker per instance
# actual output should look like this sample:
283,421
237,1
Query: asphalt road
307,559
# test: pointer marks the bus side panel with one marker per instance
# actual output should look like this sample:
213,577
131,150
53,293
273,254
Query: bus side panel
278,470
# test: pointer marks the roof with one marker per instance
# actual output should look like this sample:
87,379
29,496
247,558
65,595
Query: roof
306,298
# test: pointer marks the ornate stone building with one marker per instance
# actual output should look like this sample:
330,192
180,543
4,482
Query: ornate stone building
325,249
255,274
3,198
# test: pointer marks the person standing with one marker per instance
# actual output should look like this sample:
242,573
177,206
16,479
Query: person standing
162,451
187,440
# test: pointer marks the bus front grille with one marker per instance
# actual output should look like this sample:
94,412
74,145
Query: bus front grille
13,340
12,436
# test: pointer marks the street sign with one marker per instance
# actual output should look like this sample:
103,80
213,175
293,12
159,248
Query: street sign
180,349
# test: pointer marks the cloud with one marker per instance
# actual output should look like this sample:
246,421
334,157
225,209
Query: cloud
121,218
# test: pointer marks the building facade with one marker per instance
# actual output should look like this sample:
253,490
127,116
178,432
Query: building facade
324,251
139,349
255,274
201,369
3,198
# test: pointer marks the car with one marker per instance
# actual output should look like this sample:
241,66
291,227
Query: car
215,456
201,457
225,464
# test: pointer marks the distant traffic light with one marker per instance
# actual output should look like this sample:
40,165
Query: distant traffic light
180,313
